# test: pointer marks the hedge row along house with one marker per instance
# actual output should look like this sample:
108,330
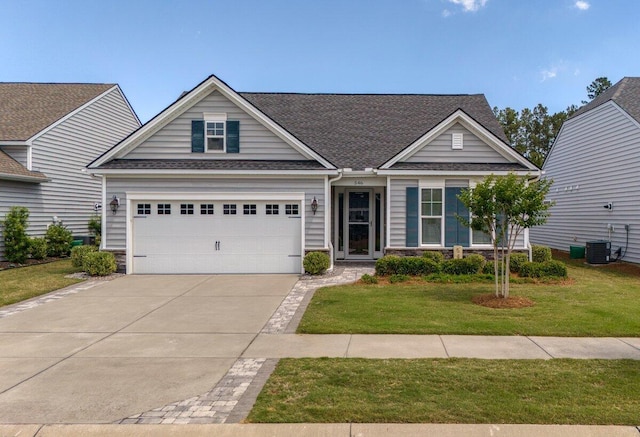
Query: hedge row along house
228,182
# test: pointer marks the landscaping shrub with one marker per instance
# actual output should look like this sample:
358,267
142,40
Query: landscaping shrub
410,265
38,248
79,253
476,261
316,263
387,265
471,265
16,240
547,269
438,257
368,279
99,263
59,240
516,261
540,254
398,278
95,225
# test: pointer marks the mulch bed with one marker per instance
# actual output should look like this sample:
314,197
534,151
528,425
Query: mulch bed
491,301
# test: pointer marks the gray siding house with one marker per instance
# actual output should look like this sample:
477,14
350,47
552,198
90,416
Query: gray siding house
595,166
229,182
48,135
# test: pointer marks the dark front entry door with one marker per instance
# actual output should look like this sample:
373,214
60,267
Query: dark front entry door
359,224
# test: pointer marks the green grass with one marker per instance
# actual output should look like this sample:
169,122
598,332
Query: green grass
596,302
586,392
23,283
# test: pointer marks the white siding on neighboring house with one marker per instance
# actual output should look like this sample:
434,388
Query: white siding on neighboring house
19,153
115,236
173,141
62,153
398,219
474,150
595,160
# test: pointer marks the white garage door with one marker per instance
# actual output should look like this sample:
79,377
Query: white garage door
216,236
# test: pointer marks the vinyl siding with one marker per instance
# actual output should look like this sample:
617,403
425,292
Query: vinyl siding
62,153
19,153
474,151
173,141
595,160
397,222
314,224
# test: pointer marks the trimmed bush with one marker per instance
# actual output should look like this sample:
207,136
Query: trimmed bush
387,265
462,266
476,261
438,257
59,240
16,240
516,261
316,263
95,225
38,248
547,269
99,263
368,279
540,254
79,253
410,265
398,278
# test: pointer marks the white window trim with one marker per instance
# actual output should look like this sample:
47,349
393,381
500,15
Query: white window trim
432,245
211,117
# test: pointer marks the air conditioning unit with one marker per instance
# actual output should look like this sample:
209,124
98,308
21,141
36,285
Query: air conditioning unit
598,252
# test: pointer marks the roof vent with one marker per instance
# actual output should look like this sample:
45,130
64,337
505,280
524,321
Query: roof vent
457,141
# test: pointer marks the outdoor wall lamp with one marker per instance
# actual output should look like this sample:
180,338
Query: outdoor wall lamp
114,204
314,205
608,206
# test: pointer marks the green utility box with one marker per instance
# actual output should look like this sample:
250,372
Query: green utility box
576,252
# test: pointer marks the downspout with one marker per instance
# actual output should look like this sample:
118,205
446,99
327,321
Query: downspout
528,242
330,216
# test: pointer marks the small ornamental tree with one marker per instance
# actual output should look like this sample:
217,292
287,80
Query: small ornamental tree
503,207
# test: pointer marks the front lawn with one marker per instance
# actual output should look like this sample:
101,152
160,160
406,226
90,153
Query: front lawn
23,283
587,392
595,302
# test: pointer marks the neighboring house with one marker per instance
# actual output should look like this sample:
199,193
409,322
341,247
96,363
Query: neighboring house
228,182
48,134
595,166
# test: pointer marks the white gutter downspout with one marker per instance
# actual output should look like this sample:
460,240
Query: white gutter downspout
327,219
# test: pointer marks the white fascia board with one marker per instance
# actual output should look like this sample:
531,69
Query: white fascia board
15,143
416,173
473,126
207,173
186,102
72,113
175,195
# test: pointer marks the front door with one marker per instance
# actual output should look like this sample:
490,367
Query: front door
359,225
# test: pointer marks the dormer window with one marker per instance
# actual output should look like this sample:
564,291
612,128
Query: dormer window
214,132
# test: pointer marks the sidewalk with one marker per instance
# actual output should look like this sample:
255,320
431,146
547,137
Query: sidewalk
320,430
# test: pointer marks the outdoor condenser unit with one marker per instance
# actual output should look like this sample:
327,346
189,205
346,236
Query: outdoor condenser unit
598,252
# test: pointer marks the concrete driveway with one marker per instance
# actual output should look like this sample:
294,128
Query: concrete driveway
129,345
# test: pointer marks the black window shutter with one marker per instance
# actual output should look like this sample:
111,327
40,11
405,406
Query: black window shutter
197,136
233,137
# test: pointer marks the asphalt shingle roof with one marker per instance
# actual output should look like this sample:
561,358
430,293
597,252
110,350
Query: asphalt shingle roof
210,164
366,130
625,93
11,167
28,108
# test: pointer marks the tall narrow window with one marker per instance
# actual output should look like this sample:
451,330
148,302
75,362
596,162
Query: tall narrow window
431,215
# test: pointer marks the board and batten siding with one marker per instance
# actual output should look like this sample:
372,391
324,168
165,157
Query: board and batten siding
398,211
115,235
62,153
173,141
474,149
595,160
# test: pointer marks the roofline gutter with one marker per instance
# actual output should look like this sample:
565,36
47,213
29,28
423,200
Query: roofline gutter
182,172
21,178
454,173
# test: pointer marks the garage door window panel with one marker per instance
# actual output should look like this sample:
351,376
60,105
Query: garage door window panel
291,209
272,209
206,209
186,209
144,208
249,209
164,208
229,209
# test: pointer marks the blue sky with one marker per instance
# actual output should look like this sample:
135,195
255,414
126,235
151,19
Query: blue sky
517,52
